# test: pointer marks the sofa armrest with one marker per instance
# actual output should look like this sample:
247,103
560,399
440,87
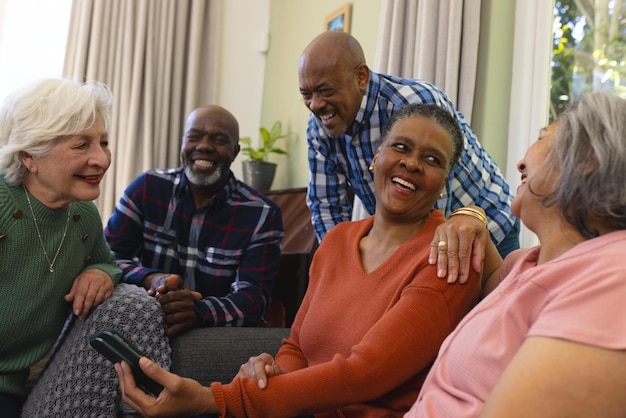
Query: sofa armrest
215,354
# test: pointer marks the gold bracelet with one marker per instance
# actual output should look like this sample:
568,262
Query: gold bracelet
471,212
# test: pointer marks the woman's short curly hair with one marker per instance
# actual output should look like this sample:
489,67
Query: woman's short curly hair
437,114
32,118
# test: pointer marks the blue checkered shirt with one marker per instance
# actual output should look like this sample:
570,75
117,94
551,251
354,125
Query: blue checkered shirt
229,250
338,164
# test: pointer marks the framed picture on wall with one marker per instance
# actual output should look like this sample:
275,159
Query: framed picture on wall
339,19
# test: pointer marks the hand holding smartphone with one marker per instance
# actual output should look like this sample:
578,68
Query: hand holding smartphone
116,349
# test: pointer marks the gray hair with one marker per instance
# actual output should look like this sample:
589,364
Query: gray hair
589,154
436,114
34,117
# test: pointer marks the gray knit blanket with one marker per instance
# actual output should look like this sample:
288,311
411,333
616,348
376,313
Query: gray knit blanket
78,381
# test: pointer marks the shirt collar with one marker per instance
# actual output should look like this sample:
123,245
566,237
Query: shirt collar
361,121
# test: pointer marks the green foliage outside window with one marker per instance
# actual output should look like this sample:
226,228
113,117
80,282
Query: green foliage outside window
589,49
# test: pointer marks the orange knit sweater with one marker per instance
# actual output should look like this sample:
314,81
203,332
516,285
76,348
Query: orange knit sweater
361,343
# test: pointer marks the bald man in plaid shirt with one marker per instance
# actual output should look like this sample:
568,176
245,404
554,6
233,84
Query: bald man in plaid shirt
350,105
201,241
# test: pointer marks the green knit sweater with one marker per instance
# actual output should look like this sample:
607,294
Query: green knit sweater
32,308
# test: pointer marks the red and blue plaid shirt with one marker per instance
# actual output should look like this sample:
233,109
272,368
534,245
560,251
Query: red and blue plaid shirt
229,250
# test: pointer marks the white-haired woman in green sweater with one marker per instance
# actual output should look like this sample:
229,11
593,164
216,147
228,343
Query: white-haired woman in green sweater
53,256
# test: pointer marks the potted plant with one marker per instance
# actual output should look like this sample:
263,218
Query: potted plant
258,172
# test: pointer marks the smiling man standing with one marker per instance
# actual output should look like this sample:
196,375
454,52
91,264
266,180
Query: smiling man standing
201,241
350,105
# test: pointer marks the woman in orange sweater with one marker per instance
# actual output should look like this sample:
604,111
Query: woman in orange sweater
375,312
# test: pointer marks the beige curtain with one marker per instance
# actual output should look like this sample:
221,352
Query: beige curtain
431,40
160,59
530,94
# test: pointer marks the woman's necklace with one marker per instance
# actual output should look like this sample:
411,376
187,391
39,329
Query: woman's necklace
45,253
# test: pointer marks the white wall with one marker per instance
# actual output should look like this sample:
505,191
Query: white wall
245,39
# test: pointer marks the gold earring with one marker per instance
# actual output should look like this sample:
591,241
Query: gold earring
440,195
371,168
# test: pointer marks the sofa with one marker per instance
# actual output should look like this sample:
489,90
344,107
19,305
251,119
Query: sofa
215,354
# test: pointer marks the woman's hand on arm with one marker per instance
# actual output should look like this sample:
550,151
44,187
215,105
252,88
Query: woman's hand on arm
260,368
180,396
458,244
550,377
90,288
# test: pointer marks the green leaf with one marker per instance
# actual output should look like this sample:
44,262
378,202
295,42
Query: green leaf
268,139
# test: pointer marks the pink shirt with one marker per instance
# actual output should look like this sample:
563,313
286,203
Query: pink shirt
579,297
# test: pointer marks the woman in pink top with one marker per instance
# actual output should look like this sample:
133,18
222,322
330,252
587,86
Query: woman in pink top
375,312
550,339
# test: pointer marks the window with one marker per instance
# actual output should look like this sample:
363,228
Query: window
33,35
589,49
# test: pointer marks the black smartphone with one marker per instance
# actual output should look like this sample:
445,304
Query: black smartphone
116,349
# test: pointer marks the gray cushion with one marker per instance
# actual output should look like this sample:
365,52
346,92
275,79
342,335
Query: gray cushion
215,354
